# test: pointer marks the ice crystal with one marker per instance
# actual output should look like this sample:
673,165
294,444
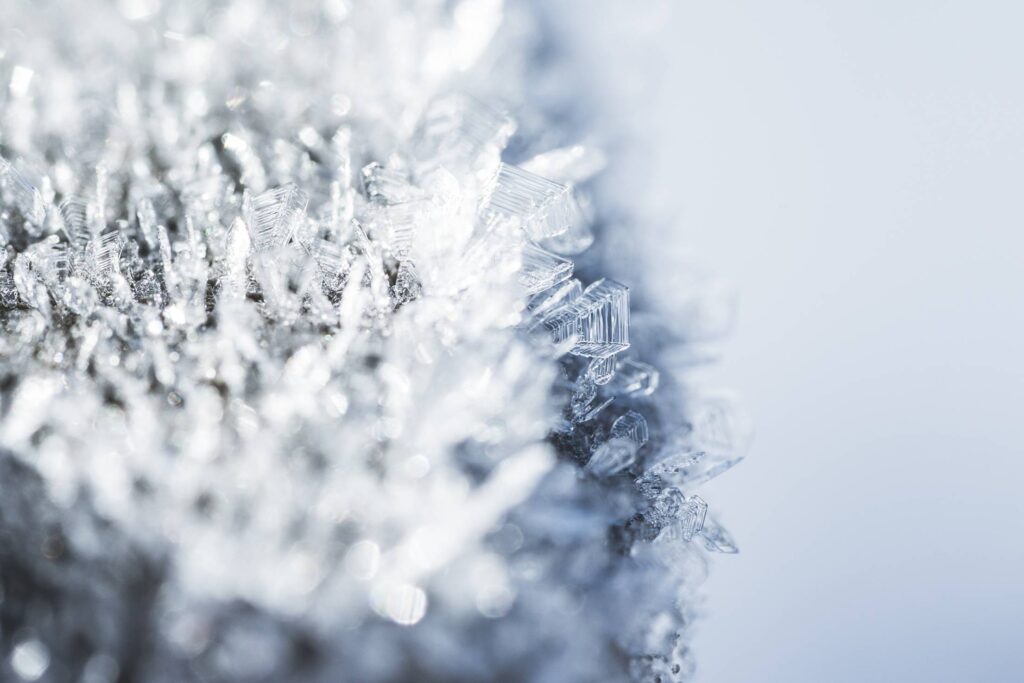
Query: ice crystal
598,321
296,380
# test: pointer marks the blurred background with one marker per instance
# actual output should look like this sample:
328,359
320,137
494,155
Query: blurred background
854,170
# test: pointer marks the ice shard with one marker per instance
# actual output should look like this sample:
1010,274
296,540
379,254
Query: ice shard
541,269
543,207
598,320
274,215
456,130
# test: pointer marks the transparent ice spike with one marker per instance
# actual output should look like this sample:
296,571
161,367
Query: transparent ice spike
681,517
688,467
541,269
573,164
387,186
544,207
106,252
456,130
612,456
598,320
716,538
402,219
544,303
49,257
20,192
634,377
632,426
274,215
602,370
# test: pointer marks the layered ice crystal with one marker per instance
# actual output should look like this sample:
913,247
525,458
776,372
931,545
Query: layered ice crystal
598,320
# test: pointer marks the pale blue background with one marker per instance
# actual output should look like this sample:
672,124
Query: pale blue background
856,170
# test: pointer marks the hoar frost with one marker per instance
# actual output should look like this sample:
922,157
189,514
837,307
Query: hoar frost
296,380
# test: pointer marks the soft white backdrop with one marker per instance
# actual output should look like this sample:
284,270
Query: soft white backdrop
855,169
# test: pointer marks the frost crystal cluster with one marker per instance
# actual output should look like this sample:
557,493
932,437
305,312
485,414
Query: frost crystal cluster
296,380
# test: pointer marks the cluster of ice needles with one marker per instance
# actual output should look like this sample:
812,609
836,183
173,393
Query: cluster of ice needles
296,380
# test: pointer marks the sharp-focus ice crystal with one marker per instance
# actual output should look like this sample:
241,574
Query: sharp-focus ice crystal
297,380
598,320
679,518
543,304
542,269
106,249
274,215
602,370
543,207
75,212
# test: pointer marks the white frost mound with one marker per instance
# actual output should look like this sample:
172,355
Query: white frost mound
296,381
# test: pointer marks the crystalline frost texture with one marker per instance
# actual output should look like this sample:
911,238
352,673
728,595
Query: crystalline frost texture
457,130
274,215
545,208
296,380
598,320
542,269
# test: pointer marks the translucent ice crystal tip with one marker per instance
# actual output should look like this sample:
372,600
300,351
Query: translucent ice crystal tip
273,216
544,207
598,320
541,269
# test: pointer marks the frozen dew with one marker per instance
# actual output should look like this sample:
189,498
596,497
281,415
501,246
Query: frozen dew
30,659
406,604
362,560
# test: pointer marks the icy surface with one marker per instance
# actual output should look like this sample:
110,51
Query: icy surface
296,380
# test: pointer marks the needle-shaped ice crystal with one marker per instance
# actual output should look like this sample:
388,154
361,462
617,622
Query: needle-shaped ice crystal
274,215
688,467
75,212
634,377
716,538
